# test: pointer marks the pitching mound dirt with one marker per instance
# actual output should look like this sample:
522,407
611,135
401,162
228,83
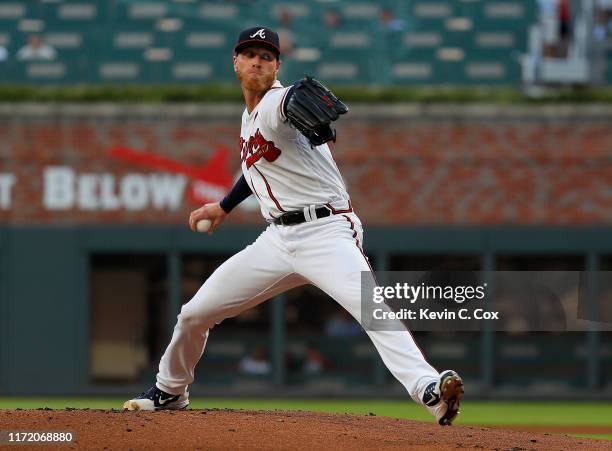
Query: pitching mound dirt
240,429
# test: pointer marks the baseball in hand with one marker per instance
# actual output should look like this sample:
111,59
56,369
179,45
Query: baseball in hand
203,225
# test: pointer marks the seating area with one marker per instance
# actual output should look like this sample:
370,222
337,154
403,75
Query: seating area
363,42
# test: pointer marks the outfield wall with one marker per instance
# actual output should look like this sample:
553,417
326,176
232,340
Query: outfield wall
404,164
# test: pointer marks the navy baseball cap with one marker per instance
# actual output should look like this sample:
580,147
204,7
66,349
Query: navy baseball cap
261,36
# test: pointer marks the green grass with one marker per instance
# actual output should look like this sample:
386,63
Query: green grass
473,412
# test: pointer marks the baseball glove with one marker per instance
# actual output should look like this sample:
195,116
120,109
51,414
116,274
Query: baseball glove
311,107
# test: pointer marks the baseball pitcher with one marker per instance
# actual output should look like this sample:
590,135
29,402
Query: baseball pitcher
313,236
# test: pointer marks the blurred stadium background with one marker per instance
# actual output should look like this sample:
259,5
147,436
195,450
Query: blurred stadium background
95,255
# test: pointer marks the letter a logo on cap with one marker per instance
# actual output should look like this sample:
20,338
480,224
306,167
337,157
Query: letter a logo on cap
261,33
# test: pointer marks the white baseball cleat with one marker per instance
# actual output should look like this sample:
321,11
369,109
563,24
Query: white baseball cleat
442,397
156,399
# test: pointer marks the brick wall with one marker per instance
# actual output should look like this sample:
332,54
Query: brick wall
409,165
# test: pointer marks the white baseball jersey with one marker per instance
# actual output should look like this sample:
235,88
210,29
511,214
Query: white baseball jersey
284,172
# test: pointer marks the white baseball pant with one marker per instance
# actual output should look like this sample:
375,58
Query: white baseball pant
326,252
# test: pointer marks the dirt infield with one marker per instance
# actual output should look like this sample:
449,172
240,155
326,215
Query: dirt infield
242,429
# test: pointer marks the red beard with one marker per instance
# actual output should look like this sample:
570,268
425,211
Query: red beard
256,82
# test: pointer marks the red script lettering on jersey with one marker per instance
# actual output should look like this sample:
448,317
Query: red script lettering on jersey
258,147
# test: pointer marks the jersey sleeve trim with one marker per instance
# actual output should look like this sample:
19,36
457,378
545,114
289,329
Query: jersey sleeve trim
283,104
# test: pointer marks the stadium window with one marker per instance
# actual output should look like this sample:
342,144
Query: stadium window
537,360
445,349
605,337
326,346
128,315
